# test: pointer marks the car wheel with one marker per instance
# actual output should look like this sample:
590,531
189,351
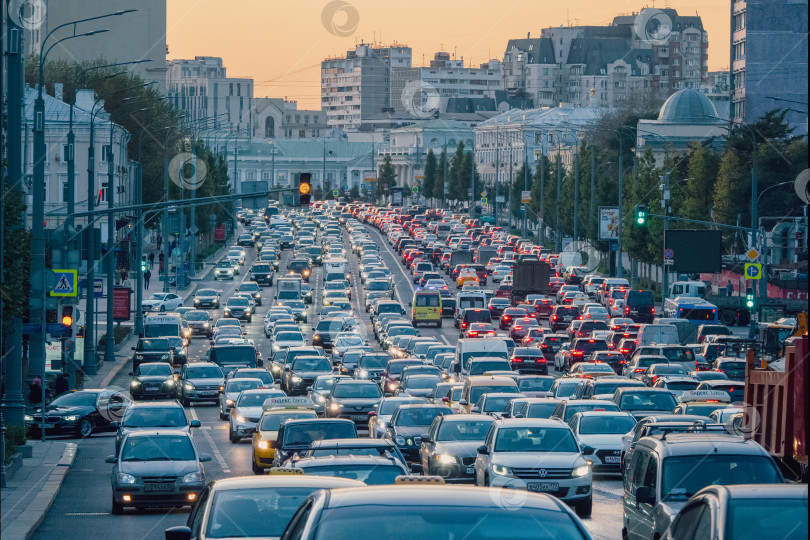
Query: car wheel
584,508
85,428
234,438
186,402
117,509
256,468
486,480
222,415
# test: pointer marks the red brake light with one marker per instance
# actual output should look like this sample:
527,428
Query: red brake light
640,370
517,360
473,333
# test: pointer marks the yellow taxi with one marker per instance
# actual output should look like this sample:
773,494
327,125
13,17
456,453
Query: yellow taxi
466,275
276,412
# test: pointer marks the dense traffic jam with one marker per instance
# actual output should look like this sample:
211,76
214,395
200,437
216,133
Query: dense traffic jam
397,370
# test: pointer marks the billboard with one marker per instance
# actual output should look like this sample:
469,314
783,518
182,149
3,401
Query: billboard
693,251
608,223
121,303
369,176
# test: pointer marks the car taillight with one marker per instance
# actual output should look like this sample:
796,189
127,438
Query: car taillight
517,328
464,325
653,311
627,310
555,318
639,370
517,360
577,353
473,333
624,351
622,361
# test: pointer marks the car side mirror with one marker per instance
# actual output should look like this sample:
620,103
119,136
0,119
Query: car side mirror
416,468
463,402
483,449
645,495
445,399
588,450
133,348
110,459
505,415
205,457
309,389
195,423
115,425
180,532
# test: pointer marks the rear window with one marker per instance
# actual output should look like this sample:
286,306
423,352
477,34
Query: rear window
477,316
591,345
639,298
428,300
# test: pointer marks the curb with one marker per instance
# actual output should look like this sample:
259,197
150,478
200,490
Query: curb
34,514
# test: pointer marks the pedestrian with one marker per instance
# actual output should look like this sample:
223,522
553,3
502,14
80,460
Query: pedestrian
730,289
146,276
151,260
61,385
161,262
159,240
35,392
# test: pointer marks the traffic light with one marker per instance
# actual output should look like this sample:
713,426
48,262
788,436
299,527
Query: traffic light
143,264
749,300
641,215
68,317
304,189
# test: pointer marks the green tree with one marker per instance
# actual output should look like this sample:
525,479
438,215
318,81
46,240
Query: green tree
354,192
702,170
438,185
458,182
386,177
430,174
515,192
538,183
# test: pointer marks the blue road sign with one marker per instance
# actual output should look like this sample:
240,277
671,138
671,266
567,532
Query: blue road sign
362,185
65,283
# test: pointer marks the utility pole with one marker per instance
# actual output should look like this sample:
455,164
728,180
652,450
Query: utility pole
557,195
193,226
472,181
763,285
497,174
542,218
109,342
619,271
444,174
164,228
576,200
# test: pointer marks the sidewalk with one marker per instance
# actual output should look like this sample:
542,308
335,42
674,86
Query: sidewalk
28,496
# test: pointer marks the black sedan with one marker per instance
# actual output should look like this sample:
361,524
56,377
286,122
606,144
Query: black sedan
302,372
409,423
301,267
153,380
79,413
206,298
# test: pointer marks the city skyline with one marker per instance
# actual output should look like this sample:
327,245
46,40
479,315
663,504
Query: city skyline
281,46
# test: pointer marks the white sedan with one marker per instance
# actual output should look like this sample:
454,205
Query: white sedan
162,302
602,431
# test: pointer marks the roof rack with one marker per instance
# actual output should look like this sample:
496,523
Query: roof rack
697,426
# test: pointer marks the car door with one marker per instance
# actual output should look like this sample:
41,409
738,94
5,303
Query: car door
693,522
197,515
482,460
643,526
428,447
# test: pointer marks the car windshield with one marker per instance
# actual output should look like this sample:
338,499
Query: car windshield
427,521
237,385
395,368
349,341
357,391
477,391
420,416
304,434
153,344
155,370
535,385
785,519
238,302
75,399
535,439
422,382
467,430
610,387
682,385
541,410
496,404
479,368
373,361
373,474
311,364
244,356
254,512
158,448
683,476
197,316
271,422
572,409
150,417
652,401
257,399
324,383
605,425
204,372
289,336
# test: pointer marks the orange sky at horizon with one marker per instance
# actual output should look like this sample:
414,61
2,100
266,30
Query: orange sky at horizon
281,45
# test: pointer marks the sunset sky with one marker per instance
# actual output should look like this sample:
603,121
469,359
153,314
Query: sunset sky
280,44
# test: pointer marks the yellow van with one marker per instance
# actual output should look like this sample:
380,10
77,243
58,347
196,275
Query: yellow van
427,308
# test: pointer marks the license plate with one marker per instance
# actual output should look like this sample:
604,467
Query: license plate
46,426
158,487
209,393
613,459
358,417
542,486
471,469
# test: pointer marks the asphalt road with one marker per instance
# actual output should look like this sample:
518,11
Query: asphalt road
82,507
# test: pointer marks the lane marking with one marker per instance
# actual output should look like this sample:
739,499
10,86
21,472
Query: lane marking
221,460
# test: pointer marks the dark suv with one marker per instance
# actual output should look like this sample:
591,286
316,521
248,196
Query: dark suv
561,317
581,349
639,306
301,267
262,273
152,350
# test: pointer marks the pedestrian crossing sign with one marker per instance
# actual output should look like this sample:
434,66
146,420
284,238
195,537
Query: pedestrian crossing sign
65,282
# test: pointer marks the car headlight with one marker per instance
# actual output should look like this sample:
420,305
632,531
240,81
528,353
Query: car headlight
241,419
296,379
71,418
169,382
320,399
364,373
580,471
206,325
192,477
164,357
229,402
196,300
335,406
501,470
189,386
392,386
124,478
263,445
135,384
29,418
400,440
446,459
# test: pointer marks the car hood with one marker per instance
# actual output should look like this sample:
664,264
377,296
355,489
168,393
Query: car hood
158,468
356,402
65,411
150,302
207,298
411,431
537,394
284,344
309,374
195,382
602,441
152,378
536,459
250,412
418,392
458,448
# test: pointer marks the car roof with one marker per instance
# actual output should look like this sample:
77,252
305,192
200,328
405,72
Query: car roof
432,495
326,461
356,443
531,422
758,491
423,406
158,432
703,443
284,480
153,404
605,413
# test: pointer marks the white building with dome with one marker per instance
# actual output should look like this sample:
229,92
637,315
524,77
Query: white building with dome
686,116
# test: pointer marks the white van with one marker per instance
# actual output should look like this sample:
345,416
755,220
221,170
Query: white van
657,334
470,348
336,265
570,258
162,325
469,300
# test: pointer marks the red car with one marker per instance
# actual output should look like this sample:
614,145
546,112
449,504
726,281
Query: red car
509,315
504,291
543,307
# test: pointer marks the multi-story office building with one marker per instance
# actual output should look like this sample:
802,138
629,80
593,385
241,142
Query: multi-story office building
201,88
769,60
358,85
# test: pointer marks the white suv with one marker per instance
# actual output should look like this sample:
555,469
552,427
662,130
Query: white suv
539,455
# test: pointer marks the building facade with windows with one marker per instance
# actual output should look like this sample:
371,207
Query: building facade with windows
277,118
769,60
57,152
211,99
